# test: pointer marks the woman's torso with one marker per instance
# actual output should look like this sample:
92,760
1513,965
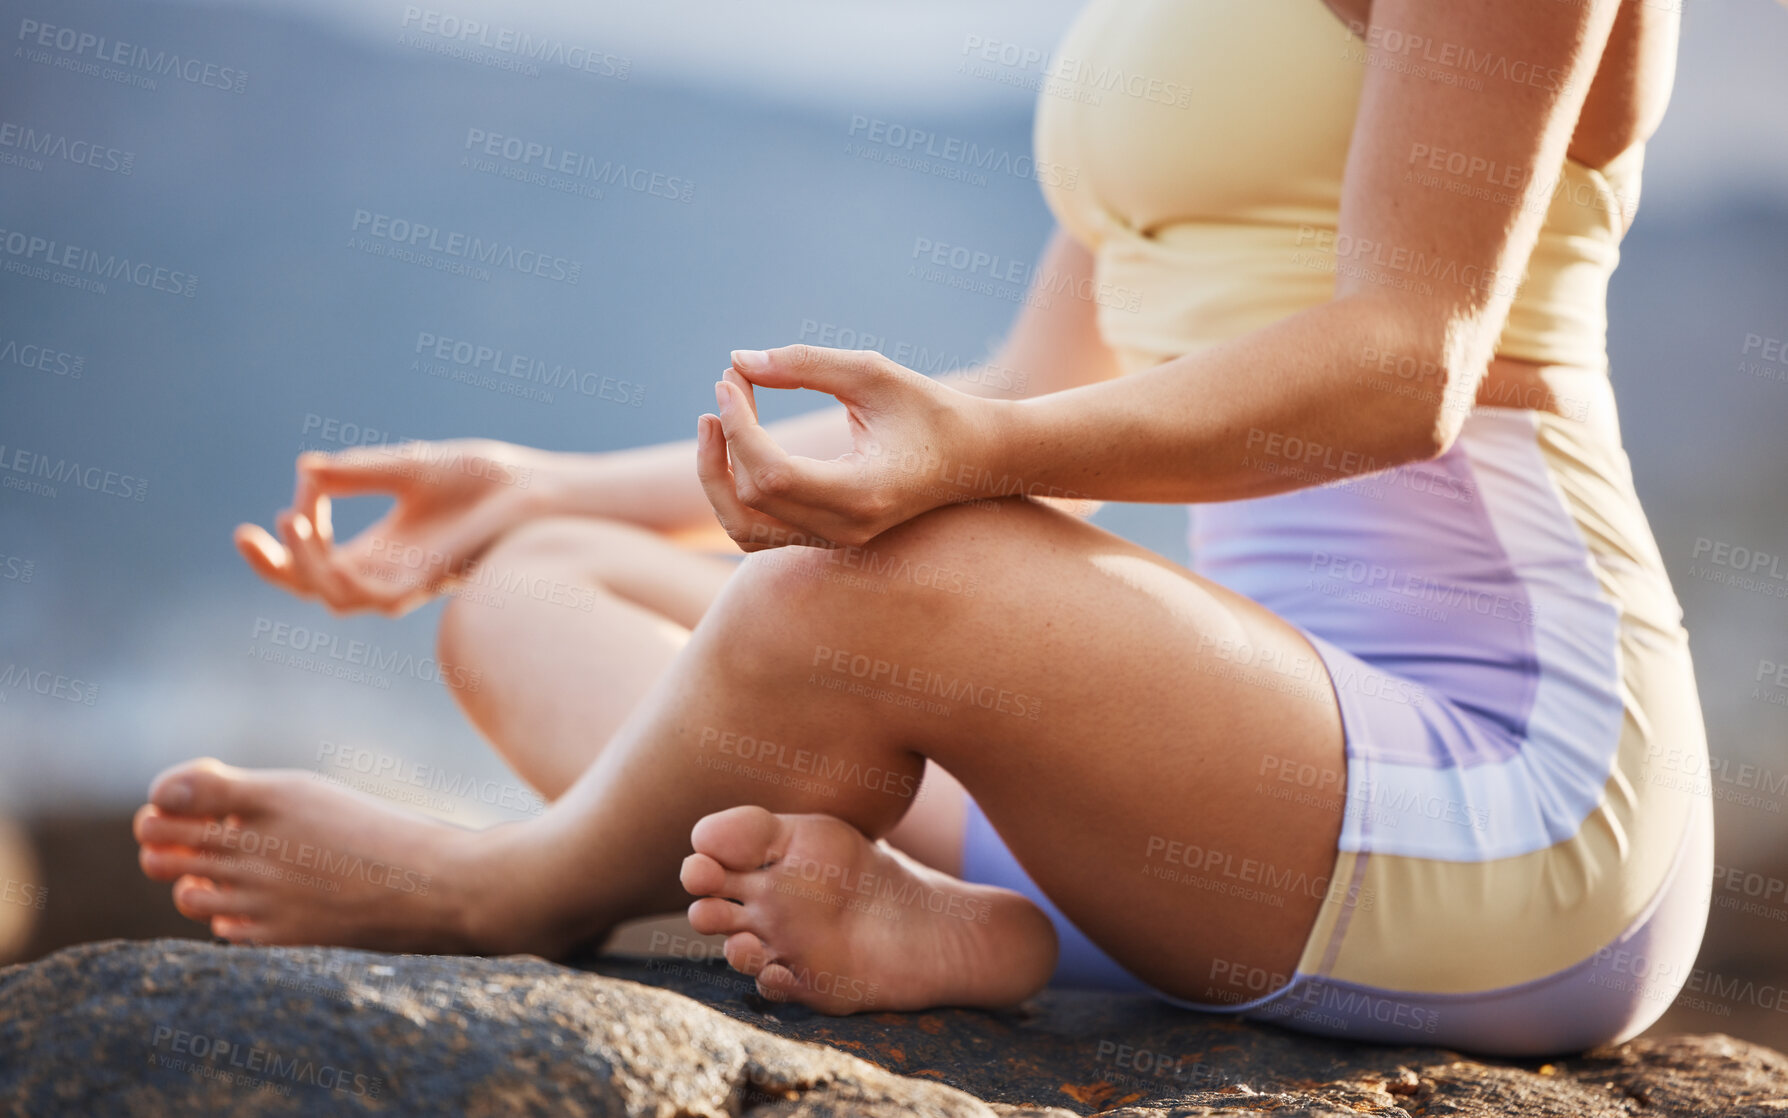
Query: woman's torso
1207,140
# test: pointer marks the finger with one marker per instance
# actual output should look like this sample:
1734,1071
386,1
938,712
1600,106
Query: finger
265,555
750,529
308,571
322,519
849,374
353,472
732,377
337,587
802,491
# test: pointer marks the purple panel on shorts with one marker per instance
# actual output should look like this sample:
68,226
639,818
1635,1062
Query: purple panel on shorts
1403,570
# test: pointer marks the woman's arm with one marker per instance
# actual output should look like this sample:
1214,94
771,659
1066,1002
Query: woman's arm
1422,274
1049,349
454,498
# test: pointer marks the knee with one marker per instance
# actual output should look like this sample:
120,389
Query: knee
562,550
569,541
799,601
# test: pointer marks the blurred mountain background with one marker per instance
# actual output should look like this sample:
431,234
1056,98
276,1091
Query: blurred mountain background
757,221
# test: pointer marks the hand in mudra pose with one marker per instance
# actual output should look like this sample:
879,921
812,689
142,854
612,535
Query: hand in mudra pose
906,430
453,499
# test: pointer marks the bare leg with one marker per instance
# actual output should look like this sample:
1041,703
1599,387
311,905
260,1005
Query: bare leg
556,679
1137,746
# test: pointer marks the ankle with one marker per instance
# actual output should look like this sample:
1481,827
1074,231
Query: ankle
509,900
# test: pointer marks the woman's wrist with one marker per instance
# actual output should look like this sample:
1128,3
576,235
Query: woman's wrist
650,486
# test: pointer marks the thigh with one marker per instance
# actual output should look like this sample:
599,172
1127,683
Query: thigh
1118,719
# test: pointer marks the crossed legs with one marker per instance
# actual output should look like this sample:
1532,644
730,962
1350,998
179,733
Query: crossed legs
1065,676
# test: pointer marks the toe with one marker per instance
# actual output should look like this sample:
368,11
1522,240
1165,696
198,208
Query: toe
777,983
712,916
205,787
702,876
170,863
741,838
746,953
154,827
200,898
238,930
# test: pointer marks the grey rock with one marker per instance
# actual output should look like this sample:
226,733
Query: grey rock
170,1027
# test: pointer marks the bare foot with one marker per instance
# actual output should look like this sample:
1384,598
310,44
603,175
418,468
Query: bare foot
822,916
280,857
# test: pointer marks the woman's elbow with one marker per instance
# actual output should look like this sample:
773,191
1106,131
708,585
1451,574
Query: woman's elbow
1436,425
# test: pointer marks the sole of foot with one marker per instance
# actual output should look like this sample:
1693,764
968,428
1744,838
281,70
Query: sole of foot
820,915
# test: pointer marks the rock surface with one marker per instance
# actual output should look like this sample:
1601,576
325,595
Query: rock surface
180,1028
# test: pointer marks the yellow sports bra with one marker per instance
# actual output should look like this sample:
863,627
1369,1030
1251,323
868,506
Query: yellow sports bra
1197,147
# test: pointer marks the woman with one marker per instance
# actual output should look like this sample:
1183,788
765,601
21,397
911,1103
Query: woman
1383,765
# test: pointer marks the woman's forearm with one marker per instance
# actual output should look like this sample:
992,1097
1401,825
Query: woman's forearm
1300,403
1053,345
656,487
